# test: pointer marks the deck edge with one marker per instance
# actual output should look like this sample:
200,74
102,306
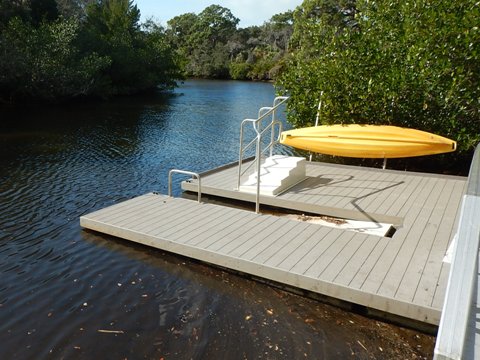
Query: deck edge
397,307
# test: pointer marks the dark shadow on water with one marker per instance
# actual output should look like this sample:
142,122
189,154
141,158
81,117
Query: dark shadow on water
249,317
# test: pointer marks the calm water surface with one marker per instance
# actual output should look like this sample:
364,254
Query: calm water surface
69,293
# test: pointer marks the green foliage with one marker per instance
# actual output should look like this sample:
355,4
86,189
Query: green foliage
158,58
43,64
201,41
239,71
110,31
140,58
108,53
413,64
179,36
112,19
262,67
69,9
210,45
215,25
10,9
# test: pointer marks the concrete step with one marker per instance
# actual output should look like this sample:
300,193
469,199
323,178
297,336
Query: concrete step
277,174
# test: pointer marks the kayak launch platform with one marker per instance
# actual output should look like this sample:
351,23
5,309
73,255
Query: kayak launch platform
403,275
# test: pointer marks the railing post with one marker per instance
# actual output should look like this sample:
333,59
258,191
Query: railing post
258,154
277,101
272,132
240,157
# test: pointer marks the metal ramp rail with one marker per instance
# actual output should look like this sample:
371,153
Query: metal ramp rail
263,115
458,336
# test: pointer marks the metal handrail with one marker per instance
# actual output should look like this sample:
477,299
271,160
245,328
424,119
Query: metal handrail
276,102
268,147
184,172
256,123
456,335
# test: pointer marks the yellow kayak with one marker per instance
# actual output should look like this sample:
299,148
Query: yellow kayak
367,141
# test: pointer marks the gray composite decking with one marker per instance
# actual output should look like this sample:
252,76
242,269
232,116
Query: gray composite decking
424,208
403,275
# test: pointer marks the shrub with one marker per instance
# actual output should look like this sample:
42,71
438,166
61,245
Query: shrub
414,64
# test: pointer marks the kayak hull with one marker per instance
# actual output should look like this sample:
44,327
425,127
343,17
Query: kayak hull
367,141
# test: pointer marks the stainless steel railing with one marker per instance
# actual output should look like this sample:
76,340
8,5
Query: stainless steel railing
184,172
263,115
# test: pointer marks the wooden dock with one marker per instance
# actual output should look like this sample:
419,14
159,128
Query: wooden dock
403,275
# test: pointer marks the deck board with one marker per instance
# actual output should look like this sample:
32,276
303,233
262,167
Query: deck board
219,229
443,278
262,238
289,263
122,209
379,197
236,239
225,233
342,258
321,246
400,197
392,252
355,264
403,275
144,217
174,220
207,217
417,265
366,268
427,285
331,253
288,249
399,266
260,253
401,207
409,266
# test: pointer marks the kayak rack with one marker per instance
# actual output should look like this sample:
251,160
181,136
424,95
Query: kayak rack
260,129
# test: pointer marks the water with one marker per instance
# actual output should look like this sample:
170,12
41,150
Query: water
69,293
